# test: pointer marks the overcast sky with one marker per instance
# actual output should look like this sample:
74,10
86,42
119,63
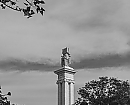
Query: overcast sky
96,31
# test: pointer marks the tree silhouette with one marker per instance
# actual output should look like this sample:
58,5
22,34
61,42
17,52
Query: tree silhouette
3,98
105,91
31,7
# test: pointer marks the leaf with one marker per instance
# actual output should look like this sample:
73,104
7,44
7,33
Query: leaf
32,12
28,8
41,12
38,9
35,3
5,98
26,4
4,1
26,13
29,16
42,2
7,0
9,93
13,3
42,9
19,9
3,7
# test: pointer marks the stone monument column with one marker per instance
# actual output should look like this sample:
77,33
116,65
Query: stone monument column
65,80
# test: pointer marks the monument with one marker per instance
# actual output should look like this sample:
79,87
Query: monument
65,80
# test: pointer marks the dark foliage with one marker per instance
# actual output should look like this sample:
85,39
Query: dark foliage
105,91
30,6
3,98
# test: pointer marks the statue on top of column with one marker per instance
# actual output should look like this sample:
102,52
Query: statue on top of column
65,58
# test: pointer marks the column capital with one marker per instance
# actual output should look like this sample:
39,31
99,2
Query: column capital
65,69
65,80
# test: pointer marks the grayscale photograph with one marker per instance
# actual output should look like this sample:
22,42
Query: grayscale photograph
64,52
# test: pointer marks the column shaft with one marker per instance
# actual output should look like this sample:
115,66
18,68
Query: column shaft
59,94
69,93
72,93
63,93
66,93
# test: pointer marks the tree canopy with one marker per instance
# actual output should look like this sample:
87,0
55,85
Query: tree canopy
3,98
105,91
29,9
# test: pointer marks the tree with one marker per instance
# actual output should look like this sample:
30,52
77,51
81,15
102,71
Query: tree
3,98
105,91
31,7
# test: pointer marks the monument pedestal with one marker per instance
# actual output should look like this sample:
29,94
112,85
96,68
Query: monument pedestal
65,84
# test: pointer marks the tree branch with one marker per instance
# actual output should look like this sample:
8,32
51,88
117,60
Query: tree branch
12,7
28,10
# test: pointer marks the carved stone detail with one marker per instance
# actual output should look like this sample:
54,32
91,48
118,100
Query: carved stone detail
65,58
65,80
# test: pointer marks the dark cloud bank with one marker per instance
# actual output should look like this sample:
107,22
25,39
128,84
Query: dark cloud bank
114,60
111,60
22,65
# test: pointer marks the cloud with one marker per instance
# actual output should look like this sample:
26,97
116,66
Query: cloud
99,26
90,28
23,65
103,61
86,14
95,62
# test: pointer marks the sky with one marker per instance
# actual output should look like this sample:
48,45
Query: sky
96,32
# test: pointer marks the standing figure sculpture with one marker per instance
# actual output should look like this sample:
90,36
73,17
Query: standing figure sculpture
65,58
